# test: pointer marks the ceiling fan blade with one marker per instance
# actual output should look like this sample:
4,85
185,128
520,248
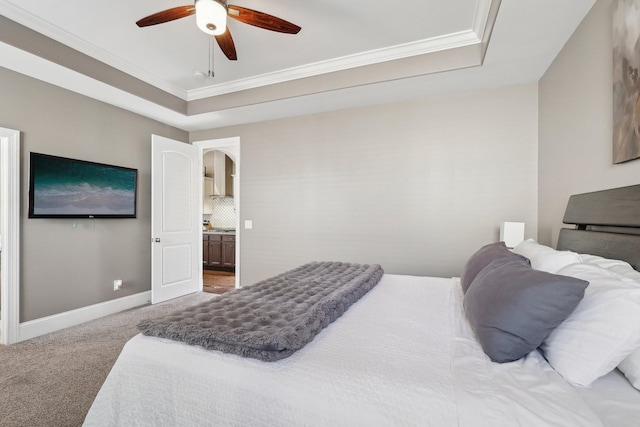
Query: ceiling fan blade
167,15
262,20
226,45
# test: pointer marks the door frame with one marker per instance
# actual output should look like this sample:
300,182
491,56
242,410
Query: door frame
224,144
10,232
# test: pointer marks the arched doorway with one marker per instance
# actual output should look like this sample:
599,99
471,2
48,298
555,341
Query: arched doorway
231,148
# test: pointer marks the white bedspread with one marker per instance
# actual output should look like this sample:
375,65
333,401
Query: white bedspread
402,355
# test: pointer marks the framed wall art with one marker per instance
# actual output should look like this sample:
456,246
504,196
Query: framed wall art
626,80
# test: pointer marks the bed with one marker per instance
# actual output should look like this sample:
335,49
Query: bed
404,354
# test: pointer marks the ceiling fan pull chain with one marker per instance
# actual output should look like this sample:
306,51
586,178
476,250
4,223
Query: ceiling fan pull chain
211,73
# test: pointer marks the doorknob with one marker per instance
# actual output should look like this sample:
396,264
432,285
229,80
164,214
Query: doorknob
157,240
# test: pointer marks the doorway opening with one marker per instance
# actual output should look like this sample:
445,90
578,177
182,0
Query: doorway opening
220,214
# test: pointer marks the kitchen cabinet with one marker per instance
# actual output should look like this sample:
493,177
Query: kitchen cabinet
228,251
211,250
218,250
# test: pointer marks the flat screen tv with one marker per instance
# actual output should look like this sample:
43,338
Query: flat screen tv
67,188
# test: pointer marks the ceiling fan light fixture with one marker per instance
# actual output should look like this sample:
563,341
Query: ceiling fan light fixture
211,16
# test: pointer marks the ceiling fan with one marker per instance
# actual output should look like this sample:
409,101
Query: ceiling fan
211,17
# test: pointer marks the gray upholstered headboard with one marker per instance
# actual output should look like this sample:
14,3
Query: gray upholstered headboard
607,223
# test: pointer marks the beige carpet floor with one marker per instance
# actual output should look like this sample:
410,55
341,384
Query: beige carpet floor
52,380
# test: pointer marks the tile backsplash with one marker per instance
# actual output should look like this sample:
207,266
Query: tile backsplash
224,213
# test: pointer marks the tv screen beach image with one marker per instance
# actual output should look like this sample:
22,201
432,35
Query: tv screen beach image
68,187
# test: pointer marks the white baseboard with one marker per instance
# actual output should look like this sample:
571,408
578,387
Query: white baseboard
45,325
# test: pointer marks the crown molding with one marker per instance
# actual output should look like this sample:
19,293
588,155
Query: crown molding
482,16
416,48
420,47
41,69
21,16
450,41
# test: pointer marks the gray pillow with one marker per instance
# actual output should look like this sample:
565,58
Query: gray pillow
513,308
482,258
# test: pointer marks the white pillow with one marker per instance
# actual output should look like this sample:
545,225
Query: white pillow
620,267
630,367
545,258
602,330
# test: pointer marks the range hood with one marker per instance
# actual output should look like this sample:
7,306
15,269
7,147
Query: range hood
220,175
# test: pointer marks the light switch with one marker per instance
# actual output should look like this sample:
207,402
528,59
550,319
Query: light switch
248,224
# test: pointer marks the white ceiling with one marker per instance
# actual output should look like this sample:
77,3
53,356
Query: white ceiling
335,35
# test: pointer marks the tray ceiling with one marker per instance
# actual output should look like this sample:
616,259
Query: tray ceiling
347,53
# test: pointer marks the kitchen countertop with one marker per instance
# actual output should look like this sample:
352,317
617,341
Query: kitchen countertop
218,232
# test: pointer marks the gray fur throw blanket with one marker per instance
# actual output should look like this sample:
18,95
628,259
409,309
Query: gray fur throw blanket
273,318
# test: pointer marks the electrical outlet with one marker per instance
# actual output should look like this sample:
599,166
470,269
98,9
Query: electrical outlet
117,285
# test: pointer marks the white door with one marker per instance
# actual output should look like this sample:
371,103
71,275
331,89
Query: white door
175,201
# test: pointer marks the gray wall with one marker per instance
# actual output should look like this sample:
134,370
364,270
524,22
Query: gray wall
63,267
415,186
575,128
